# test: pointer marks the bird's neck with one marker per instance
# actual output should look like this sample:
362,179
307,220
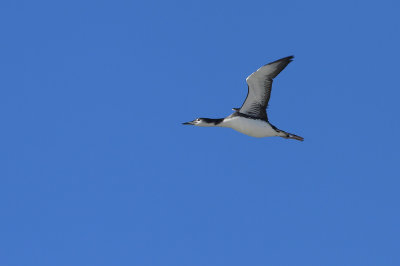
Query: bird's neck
213,122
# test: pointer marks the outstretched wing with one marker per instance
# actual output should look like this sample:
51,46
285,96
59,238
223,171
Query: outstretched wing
259,88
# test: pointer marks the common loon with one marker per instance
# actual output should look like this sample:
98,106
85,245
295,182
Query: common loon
251,119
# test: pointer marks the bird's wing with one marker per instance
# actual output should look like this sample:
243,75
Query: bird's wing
259,88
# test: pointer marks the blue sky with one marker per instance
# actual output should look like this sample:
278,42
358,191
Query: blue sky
96,168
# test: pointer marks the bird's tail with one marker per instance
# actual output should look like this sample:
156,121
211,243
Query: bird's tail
287,135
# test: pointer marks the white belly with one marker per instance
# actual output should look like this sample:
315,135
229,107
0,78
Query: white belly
251,127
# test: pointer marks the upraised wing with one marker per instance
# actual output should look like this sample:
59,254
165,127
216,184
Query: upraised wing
259,88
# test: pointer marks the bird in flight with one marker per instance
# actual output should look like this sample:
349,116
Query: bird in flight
251,119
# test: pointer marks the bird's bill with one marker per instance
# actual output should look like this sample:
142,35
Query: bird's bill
188,123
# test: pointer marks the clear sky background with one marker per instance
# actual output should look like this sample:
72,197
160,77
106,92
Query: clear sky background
96,168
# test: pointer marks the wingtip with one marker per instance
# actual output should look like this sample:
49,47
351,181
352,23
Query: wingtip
290,57
286,59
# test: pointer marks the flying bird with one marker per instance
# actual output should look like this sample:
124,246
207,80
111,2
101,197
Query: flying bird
251,119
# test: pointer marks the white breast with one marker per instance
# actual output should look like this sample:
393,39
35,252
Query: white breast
251,127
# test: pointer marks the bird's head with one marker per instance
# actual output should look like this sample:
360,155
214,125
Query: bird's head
200,122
